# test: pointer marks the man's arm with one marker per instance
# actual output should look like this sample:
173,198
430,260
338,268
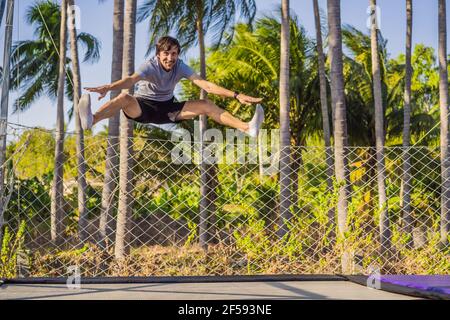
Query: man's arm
124,83
220,91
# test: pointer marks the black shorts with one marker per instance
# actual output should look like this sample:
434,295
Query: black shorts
158,112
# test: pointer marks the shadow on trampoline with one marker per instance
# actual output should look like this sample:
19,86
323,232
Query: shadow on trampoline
104,292
297,291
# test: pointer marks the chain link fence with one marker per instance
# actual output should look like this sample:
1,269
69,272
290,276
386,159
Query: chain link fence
163,226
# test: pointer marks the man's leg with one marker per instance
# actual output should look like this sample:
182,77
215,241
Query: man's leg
195,108
123,101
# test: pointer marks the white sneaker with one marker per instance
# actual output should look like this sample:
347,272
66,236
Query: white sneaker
84,109
255,124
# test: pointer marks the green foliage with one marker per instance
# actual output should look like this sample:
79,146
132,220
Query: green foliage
192,233
253,242
12,245
30,199
309,232
424,91
37,160
94,155
180,200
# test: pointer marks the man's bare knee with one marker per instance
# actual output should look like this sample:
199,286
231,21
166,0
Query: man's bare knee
124,97
129,105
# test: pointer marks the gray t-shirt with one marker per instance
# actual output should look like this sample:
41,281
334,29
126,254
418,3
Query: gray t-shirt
158,84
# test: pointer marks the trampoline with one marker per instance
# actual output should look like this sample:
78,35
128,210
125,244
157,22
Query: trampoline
274,287
424,286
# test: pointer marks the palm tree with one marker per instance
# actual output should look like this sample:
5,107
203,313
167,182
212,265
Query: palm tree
285,145
112,159
340,119
206,203
406,177
189,20
34,67
34,72
359,89
379,133
324,104
126,134
251,63
81,165
176,17
443,102
57,187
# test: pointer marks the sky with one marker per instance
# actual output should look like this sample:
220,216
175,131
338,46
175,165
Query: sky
96,19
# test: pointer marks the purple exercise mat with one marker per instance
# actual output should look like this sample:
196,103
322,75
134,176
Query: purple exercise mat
434,283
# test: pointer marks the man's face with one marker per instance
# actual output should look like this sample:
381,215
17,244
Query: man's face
168,58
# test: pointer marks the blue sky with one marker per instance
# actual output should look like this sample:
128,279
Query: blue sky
96,19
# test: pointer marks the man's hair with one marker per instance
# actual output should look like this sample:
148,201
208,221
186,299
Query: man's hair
167,43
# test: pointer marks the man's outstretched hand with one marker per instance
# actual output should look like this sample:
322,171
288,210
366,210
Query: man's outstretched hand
102,90
247,99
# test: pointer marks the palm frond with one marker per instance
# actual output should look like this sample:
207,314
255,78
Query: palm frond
91,45
34,70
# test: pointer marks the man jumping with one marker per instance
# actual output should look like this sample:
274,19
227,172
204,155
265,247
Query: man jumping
154,101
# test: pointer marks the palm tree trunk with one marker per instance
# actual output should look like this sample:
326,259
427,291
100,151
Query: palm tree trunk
385,234
406,177
324,107
340,121
212,197
443,101
296,165
57,188
82,185
4,106
285,156
112,159
206,171
122,247
203,222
